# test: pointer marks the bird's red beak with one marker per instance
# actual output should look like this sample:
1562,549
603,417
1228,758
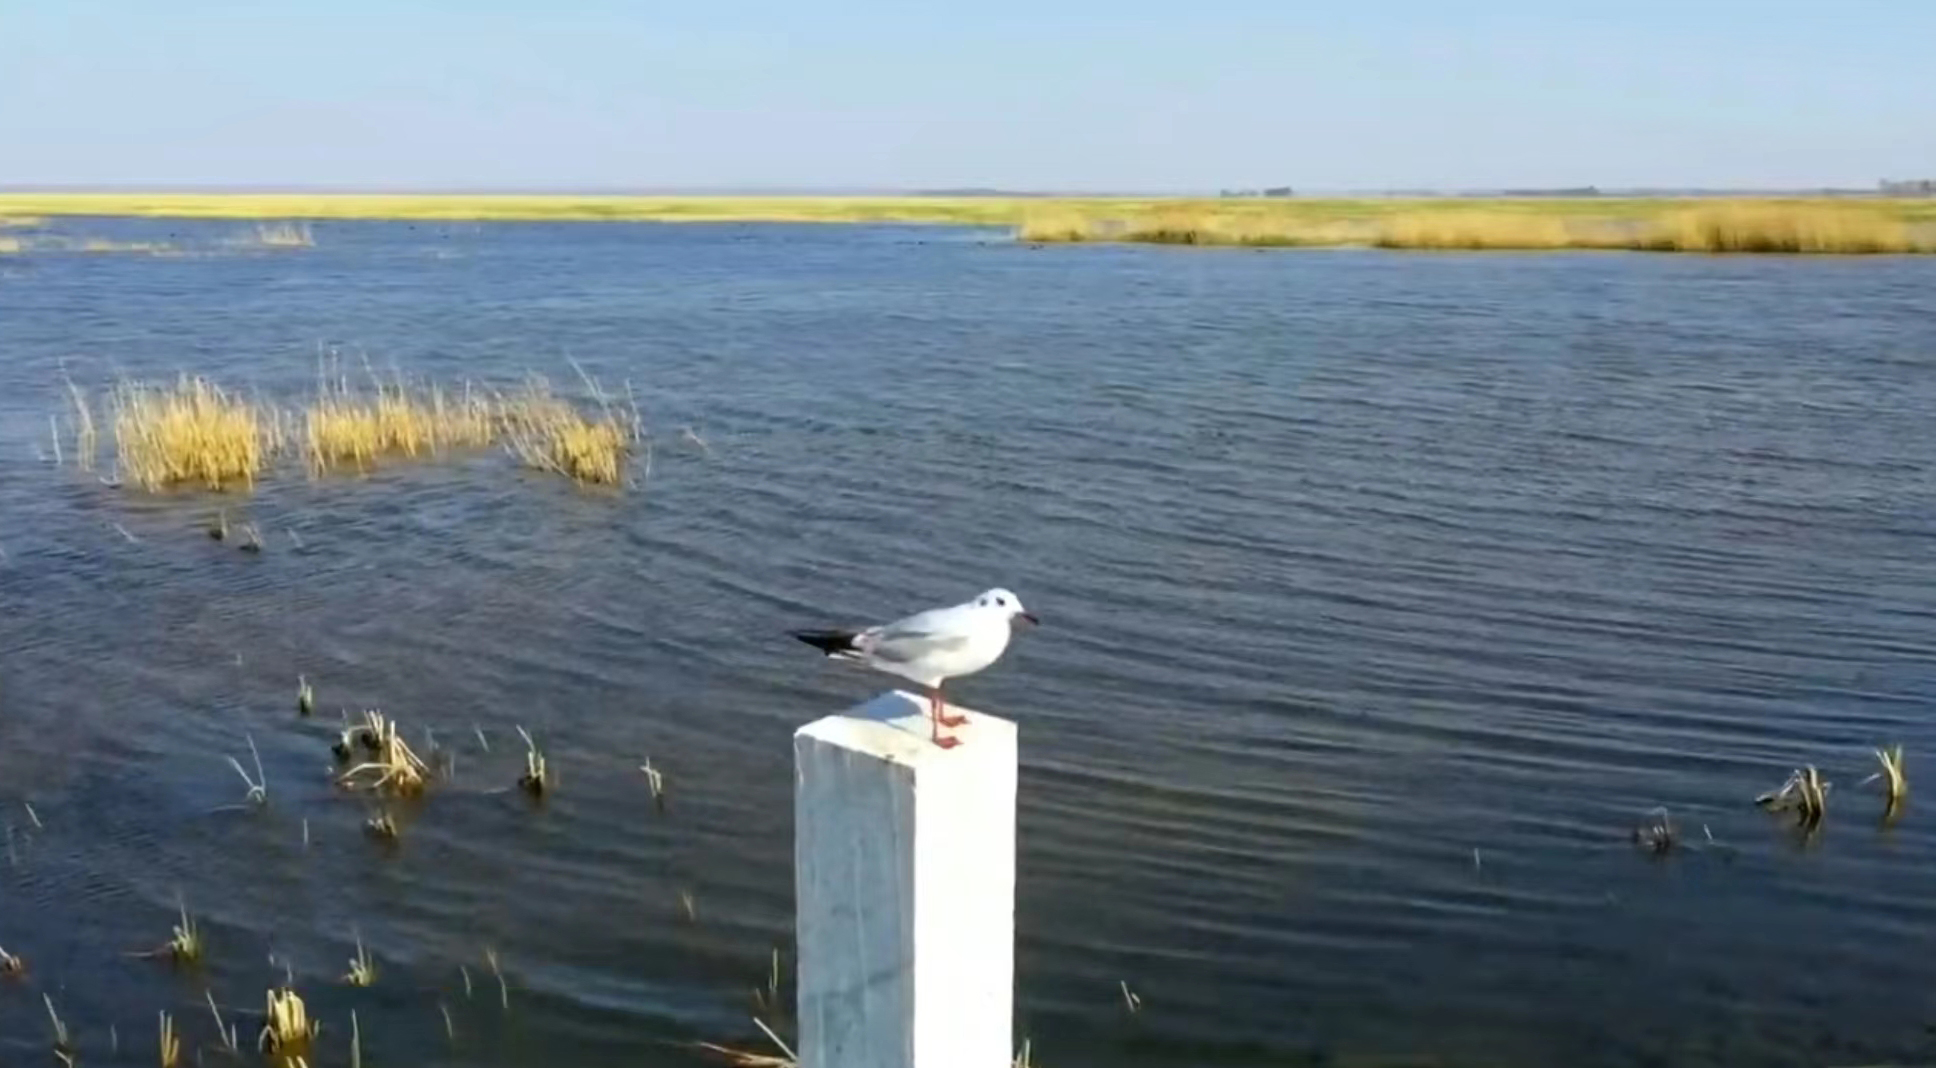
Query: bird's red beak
1030,617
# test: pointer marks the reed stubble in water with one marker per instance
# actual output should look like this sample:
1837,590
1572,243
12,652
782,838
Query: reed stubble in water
287,1028
184,945
195,433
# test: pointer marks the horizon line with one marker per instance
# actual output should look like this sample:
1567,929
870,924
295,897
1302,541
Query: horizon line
992,192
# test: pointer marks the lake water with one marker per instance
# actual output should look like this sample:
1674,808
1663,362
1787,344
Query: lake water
1383,594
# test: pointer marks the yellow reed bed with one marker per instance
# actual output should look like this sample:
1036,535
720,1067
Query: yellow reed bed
1818,226
191,433
551,434
345,428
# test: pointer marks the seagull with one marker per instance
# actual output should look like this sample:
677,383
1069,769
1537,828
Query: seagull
928,648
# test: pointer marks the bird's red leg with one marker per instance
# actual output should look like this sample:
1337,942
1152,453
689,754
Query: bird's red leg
941,711
934,721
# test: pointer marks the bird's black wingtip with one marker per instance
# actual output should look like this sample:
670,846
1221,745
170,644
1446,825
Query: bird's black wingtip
827,641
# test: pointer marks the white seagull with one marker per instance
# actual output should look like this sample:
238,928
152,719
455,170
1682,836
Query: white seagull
928,648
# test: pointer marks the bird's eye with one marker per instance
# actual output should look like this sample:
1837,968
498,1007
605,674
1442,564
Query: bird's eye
1001,602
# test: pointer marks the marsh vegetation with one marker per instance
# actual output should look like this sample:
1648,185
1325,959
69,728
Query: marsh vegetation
195,433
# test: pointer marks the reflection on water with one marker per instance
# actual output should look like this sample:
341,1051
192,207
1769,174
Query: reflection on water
1386,595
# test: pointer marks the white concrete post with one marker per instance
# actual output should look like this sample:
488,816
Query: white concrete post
904,873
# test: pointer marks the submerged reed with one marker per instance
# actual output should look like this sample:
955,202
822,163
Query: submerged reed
63,1041
536,779
170,1042
1895,780
1805,793
362,969
184,945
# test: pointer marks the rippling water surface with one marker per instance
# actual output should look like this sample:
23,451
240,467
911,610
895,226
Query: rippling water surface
1383,595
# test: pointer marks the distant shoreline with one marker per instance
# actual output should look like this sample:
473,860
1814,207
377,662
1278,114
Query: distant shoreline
1779,224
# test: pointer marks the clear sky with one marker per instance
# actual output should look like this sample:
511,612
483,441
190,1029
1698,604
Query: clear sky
1051,94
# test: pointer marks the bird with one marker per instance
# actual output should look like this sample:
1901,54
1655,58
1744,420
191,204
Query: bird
931,647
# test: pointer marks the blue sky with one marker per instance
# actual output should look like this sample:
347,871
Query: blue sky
1076,94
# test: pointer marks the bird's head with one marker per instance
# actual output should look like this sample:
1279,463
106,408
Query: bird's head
1006,603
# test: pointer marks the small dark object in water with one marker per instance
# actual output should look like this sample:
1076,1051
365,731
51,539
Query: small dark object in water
532,783
1658,835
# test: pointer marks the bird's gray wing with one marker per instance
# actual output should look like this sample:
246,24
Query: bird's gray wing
907,646
918,636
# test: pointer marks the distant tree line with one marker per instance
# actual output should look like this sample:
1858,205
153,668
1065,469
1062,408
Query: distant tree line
1272,191
1919,187
1570,191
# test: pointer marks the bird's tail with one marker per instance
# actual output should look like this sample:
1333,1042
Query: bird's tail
831,642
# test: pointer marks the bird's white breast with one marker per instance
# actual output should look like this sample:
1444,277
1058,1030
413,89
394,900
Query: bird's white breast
984,646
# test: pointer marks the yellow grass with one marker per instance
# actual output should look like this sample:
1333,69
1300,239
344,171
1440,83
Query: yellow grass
191,433
1793,225
344,427
1752,227
195,433
286,1024
551,434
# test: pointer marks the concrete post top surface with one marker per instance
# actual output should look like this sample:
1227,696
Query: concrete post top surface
894,727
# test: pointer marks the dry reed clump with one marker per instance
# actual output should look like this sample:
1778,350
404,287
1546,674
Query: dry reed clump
1490,230
1805,793
397,767
193,432
345,427
1062,226
287,1025
1783,228
550,434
